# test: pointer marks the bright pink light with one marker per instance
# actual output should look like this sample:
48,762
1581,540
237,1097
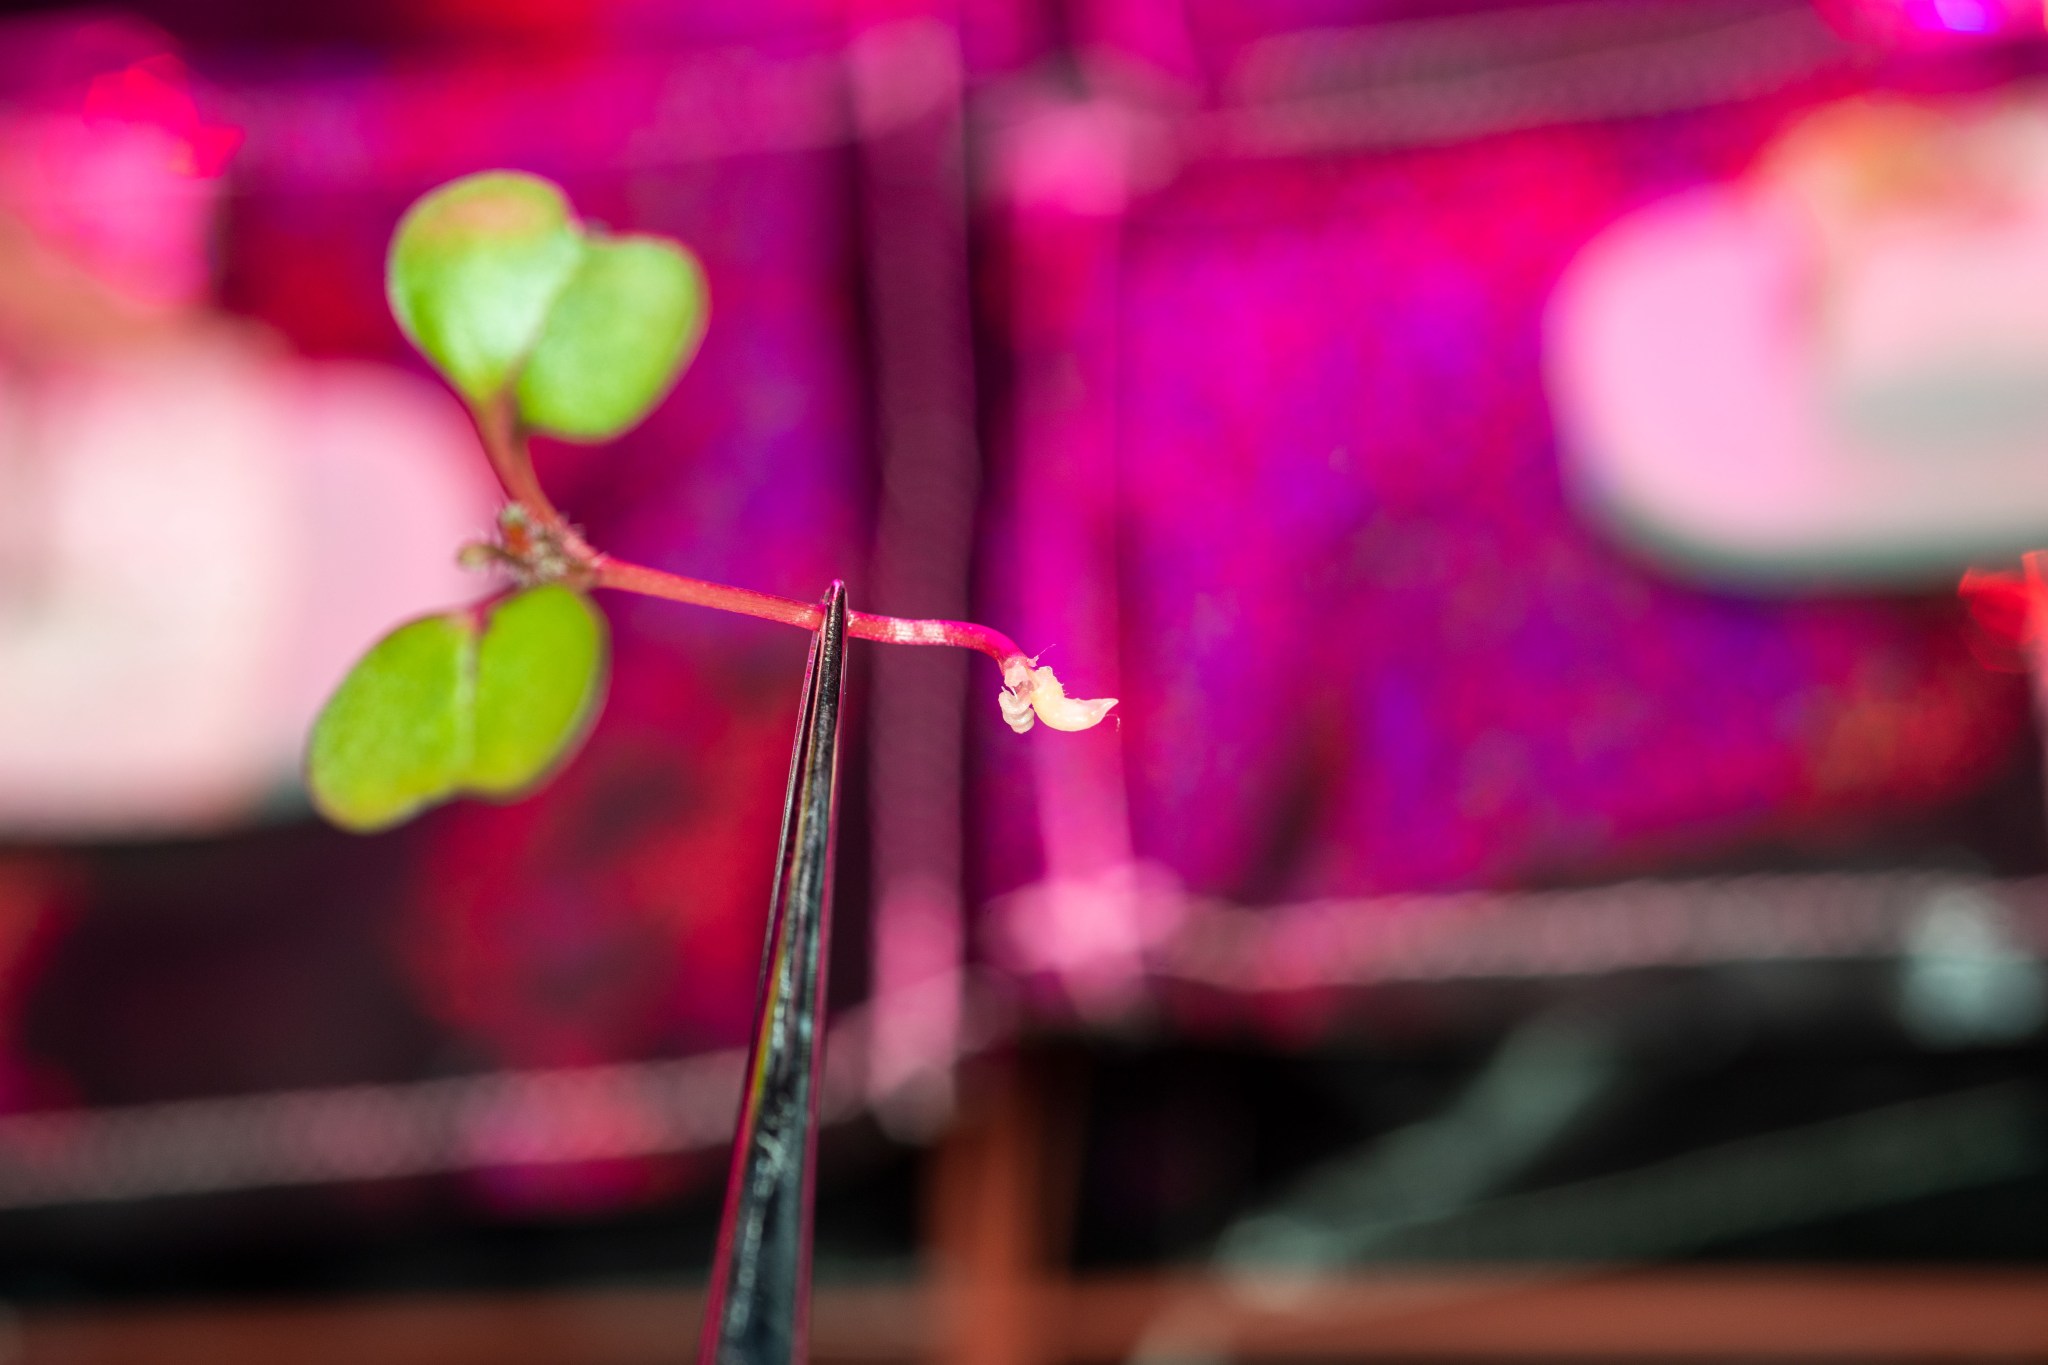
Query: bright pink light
156,93
1919,23
1963,16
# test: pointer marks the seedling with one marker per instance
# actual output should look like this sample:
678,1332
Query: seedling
543,323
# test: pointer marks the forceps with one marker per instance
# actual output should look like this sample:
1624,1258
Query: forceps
757,1307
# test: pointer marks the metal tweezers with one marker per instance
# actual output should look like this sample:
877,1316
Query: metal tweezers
758,1303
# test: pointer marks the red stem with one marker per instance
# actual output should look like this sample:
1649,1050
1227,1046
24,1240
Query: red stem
895,630
506,444
512,461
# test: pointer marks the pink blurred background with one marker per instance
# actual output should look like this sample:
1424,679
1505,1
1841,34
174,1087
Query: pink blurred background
1249,360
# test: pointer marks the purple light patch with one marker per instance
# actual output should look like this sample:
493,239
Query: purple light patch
1963,16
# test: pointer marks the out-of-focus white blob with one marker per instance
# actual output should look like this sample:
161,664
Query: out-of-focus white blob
1835,369
1096,934
198,530
1967,979
196,539
1032,693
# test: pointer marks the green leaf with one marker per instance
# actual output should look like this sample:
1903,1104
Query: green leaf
540,674
474,267
616,338
451,704
392,738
